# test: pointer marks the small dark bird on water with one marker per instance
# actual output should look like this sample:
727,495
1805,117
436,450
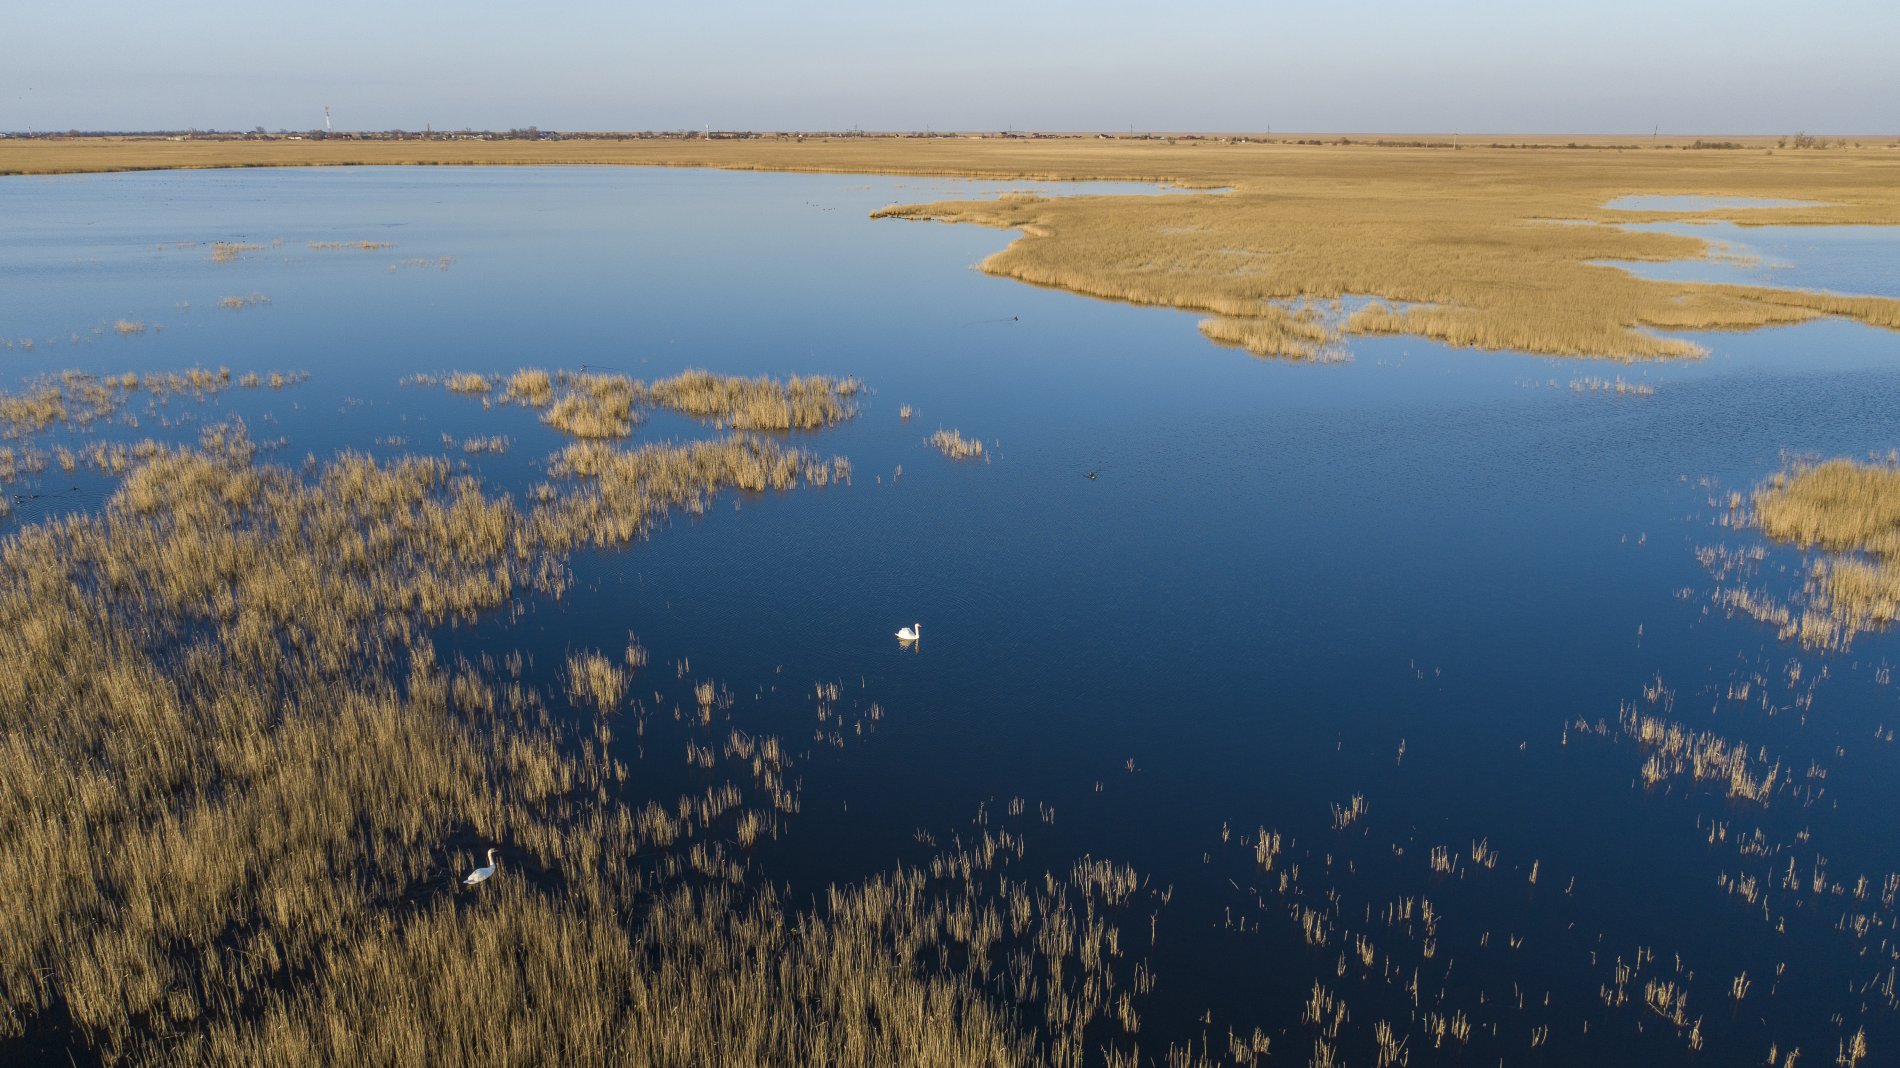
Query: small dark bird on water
23,497
1091,476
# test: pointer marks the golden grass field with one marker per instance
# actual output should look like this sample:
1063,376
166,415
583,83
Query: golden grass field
1477,246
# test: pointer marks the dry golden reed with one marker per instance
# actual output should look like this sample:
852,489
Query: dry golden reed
594,406
241,789
230,251
596,680
954,445
80,399
467,382
1289,333
1851,511
757,403
598,405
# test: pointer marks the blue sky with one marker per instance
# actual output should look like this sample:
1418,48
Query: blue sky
1457,65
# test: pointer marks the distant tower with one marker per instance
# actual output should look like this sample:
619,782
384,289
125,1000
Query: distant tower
326,118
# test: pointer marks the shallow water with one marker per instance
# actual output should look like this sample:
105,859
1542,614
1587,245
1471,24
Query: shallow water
1840,259
1669,202
1411,577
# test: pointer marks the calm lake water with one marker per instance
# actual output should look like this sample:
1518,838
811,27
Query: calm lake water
1844,259
1422,577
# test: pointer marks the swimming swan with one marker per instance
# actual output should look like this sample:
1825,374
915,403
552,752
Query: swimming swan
910,633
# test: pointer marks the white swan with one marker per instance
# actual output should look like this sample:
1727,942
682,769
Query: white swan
482,875
910,633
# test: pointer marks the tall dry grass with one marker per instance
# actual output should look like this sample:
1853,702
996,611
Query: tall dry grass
1850,511
953,444
1275,331
810,403
615,495
79,400
241,788
598,405
467,382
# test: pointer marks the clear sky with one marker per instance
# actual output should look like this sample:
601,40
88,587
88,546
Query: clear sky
1613,66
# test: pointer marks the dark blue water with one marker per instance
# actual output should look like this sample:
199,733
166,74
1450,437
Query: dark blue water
1279,576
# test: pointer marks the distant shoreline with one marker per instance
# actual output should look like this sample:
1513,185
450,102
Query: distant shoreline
1453,242
100,153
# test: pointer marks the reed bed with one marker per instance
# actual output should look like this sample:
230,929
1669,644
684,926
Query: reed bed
231,251
618,495
594,406
468,383
1839,505
1455,247
600,406
242,787
596,680
1675,751
531,387
1293,335
491,444
359,246
78,399
757,403
953,444
1851,513
1619,385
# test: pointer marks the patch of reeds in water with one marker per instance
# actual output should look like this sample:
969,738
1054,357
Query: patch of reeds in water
360,246
79,399
467,382
757,403
601,405
617,494
953,444
241,790
1293,334
230,251
1850,512
594,406
1619,385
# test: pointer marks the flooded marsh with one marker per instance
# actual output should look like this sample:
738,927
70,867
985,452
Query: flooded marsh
1368,711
